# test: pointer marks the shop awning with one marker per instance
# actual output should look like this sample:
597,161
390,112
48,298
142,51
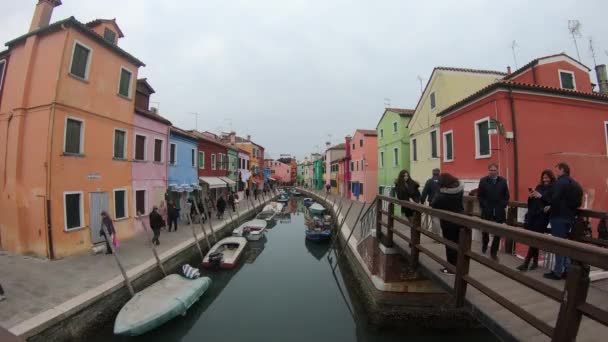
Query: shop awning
213,182
272,179
196,186
228,180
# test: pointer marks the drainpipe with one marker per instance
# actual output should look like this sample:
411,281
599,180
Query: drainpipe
534,74
515,152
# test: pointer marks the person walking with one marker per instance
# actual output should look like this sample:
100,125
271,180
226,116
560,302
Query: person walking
156,223
221,207
247,193
255,194
107,222
566,198
162,211
172,214
449,197
430,190
327,187
407,189
2,296
493,196
232,201
537,218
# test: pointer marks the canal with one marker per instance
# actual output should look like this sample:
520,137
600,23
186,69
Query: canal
284,290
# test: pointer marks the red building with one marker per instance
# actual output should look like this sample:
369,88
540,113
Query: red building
212,163
544,113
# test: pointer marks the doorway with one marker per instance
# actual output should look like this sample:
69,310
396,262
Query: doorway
98,202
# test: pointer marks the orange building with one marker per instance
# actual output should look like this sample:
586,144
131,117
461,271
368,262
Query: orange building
66,115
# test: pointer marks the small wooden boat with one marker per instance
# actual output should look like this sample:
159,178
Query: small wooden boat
157,304
283,198
296,193
308,201
275,206
225,253
316,209
253,230
318,233
266,215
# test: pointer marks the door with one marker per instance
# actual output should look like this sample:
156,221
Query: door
98,202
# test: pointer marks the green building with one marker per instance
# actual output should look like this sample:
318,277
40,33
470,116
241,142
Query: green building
393,146
233,167
318,165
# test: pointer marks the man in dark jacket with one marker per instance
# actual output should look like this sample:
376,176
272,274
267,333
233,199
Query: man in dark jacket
493,196
156,222
561,216
430,190
449,198
172,215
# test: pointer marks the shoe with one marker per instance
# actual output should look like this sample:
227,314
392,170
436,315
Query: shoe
523,267
552,276
446,271
564,275
484,249
2,297
534,265
494,257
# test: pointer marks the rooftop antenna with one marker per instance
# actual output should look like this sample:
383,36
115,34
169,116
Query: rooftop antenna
157,105
196,115
513,47
419,78
592,50
574,26
387,102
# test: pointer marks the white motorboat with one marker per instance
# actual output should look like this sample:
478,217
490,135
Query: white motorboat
252,230
266,215
275,206
225,253
317,209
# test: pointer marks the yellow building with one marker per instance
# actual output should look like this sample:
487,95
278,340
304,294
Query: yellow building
445,87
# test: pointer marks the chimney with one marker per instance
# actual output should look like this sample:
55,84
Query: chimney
232,137
248,137
602,78
154,110
508,70
43,13
348,139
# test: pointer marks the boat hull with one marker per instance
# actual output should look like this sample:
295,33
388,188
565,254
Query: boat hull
318,236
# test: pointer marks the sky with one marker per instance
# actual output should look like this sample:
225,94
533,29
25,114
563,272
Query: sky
294,74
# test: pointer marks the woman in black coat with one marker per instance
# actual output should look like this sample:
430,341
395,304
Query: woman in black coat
537,218
407,189
449,198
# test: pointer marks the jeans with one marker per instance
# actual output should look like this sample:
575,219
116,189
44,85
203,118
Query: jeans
560,227
156,235
173,223
452,234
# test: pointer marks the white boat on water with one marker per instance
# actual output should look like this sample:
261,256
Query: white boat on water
253,230
225,253
317,209
266,215
275,206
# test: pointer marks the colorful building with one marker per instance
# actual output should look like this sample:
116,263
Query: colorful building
541,114
445,87
318,163
212,165
279,171
244,172
393,146
182,166
364,165
308,173
67,97
233,167
332,154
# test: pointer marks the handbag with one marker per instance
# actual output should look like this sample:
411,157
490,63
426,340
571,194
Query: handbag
115,241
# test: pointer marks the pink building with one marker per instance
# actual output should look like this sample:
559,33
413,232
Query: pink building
364,165
281,172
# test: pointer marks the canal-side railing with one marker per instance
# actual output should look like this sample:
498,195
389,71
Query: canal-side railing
572,299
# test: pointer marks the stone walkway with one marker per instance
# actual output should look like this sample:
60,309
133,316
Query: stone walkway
34,286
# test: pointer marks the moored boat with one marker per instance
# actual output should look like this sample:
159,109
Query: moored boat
157,304
225,253
318,234
283,198
275,206
252,230
316,209
308,201
266,215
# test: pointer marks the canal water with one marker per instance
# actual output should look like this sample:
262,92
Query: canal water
284,290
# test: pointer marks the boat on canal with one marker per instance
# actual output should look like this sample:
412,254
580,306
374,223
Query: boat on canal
283,198
225,253
296,193
159,303
316,209
308,201
318,228
253,230
266,215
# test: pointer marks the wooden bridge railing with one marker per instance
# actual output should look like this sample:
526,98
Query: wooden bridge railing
572,299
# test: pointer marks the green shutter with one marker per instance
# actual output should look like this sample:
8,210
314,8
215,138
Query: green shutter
72,136
125,82
79,61
484,138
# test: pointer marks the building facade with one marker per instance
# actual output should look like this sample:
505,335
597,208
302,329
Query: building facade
364,165
182,169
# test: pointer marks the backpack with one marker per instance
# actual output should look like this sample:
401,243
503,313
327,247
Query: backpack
575,196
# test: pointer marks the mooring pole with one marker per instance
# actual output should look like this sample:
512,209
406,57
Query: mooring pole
194,234
160,264
355,226
200,216
115,254
210,219
340,226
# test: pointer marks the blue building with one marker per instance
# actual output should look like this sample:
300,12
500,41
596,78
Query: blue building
182,164
266,175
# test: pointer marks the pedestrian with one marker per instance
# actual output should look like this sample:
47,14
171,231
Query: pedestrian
537,218
156,223
407,189
2,296
493,196
328,187
255,194
162,210
430,190
221,207
566,198
247,193
107,222
232,201
449,197
172,214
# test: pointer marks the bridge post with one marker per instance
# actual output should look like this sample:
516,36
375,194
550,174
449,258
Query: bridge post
391,224
462,265
575,294
379,220
415,237
511,221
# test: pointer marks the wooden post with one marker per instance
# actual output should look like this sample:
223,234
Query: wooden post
198,246
511,220
575,294
462,265
160,264
198,212
122,269
379,219
210,218
391,224
415,237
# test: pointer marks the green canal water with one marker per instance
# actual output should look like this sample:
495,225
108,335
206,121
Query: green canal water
284,290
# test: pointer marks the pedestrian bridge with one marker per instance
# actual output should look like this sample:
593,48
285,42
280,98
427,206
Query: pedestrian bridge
514,305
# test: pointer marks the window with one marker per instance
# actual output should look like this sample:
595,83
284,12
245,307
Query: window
120,151
201,160
140,202
357,165
193,157
361,143
381,133
381,159
120,204
73,210
448,146
396,156
352,166
434,152
395,127
213,166
566,79
158,150
124,85
81,61
140,147
353,147
482,138
414,150
360,188
172,150
433,101
2,71
74,136
247,164
109,35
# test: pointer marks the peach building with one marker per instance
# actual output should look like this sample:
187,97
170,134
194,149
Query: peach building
66,117
364,165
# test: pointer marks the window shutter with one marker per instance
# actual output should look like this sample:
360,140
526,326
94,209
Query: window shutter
125,83
172,154
158,150
109,35
72,136
119,204
140,201
72,211
484,138
140,144
79,61
119,144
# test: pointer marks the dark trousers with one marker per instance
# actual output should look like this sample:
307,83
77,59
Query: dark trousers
173,223
485,239
108,246
452,234
156,235
1,290
532,254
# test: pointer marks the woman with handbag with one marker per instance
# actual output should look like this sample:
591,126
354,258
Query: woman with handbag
107,222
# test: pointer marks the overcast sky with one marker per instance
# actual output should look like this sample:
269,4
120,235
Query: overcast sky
292,72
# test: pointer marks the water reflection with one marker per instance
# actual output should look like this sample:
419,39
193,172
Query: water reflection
318,249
